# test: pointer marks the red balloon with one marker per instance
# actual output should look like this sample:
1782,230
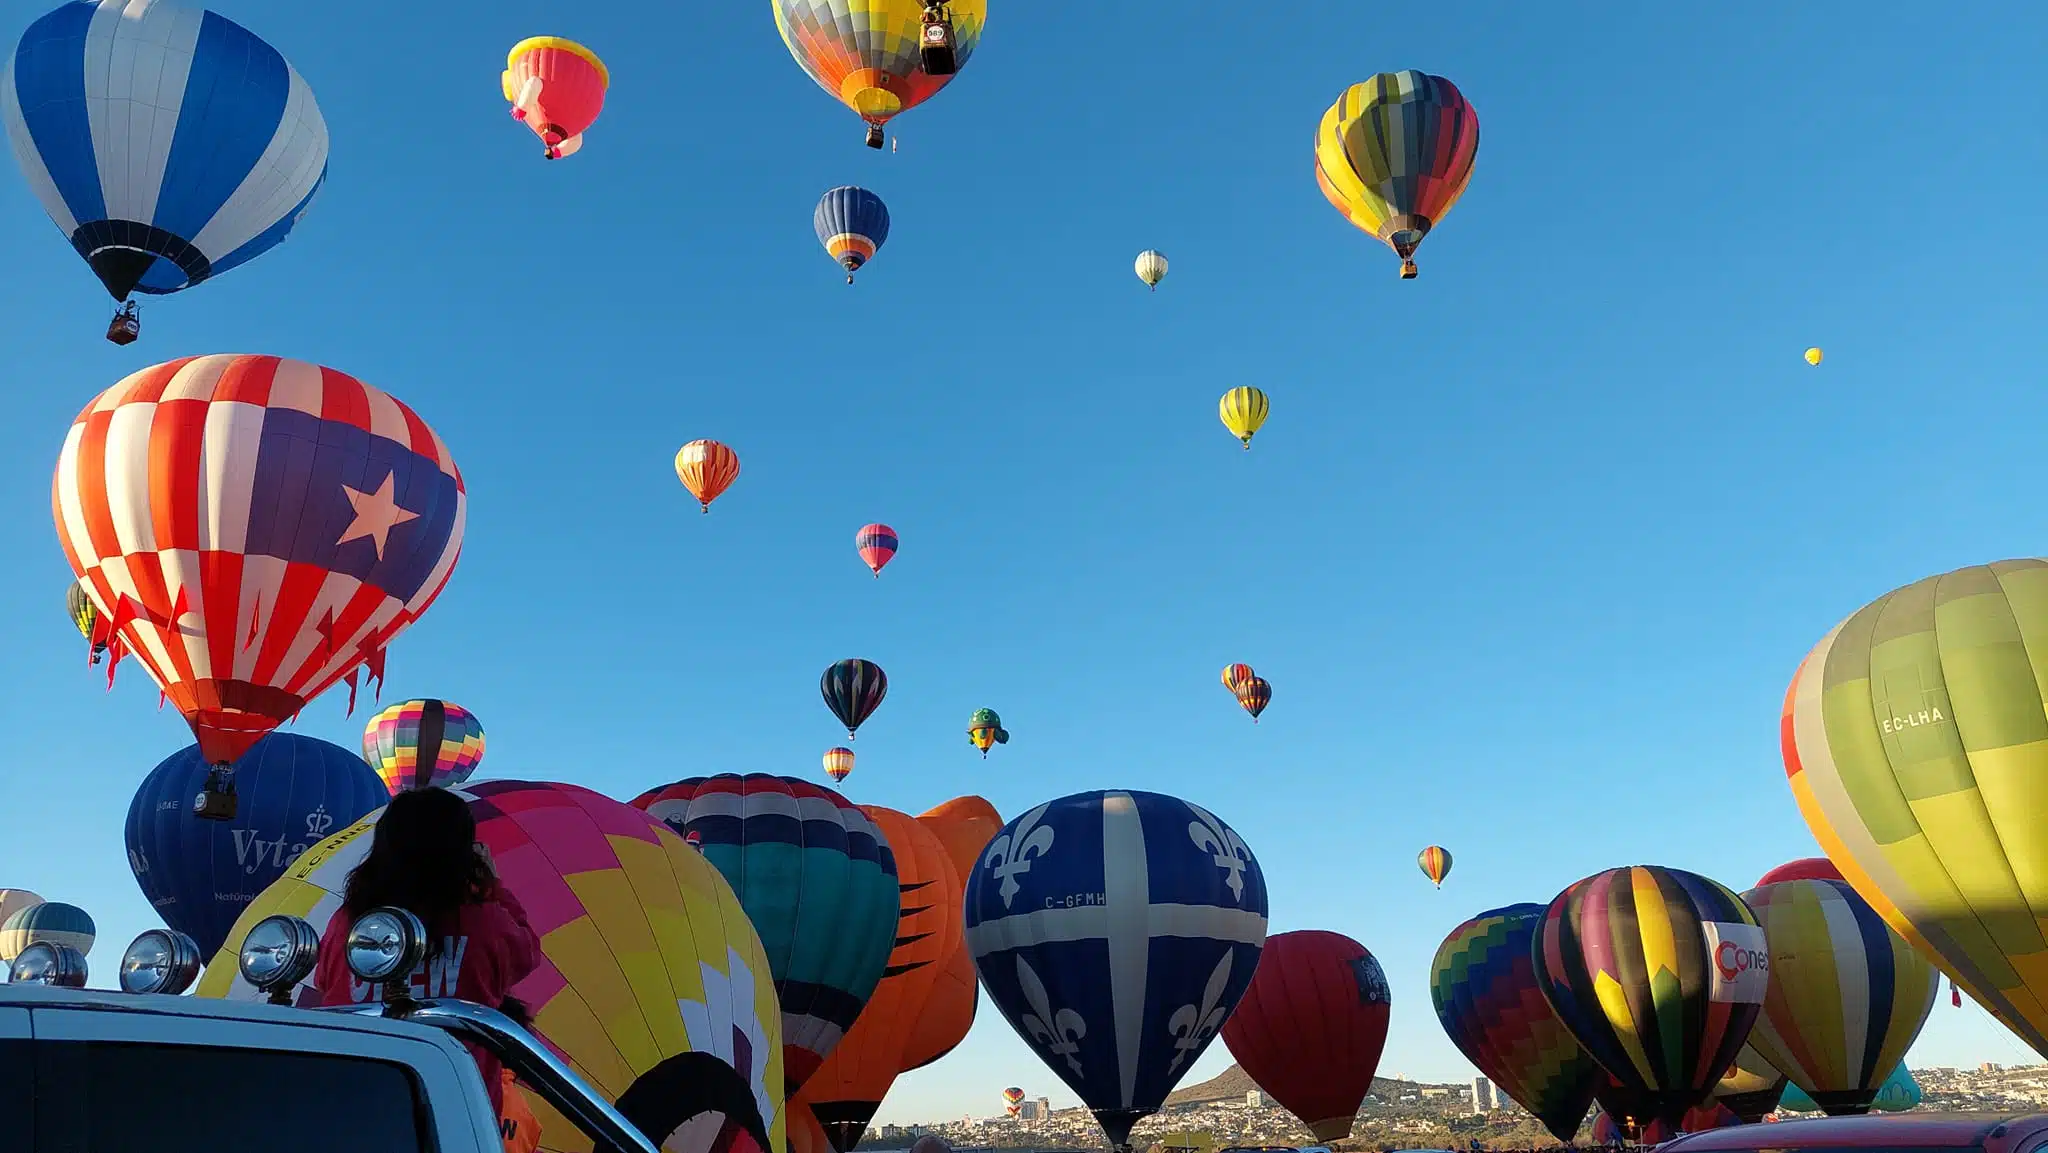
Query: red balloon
1711,1115
1310,1028
1803,869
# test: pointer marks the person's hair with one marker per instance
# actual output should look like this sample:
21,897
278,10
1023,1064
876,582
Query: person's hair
423,859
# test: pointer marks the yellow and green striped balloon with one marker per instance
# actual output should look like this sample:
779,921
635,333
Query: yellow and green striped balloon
1847,995
1916,740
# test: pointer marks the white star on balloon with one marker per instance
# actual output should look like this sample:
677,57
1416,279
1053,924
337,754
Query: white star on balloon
377,513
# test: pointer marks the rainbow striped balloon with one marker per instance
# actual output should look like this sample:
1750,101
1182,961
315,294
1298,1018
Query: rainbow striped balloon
422,744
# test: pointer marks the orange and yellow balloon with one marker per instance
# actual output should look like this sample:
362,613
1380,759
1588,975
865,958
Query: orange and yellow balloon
866,52
1435,863
838,763
1236,677
1394,153
707,468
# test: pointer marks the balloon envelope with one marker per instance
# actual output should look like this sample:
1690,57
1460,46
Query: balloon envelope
818,880
865,52
1489,999
199,875
847,1089
255,529
1847,998
652,984
853,689
1914,736
53,922
156,211
1803,869
1116,930
1750,1088
853,224
415,744
1899,1092
1395,152
1310,1027
13,901
1659,974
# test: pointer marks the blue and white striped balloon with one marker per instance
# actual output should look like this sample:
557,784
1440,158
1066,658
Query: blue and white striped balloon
1116,931
168,144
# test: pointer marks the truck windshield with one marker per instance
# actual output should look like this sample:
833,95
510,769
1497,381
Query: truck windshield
106,1097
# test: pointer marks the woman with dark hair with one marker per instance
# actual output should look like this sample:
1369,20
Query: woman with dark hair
425,858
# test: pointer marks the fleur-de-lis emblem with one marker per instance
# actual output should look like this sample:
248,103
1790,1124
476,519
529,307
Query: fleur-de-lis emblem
1058,1031
1010,856
1192,1026
318,822
1210,835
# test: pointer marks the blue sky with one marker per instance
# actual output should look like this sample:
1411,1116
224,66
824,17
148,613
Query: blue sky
1528,550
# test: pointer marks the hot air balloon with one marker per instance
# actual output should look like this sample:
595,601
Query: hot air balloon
1899,1093
1909,734
255,529
1116,931
1243,411
838,763
1484,985
821,891
876,544
199,876
1659,974
1151,268
881,57
1750,1088
1813,356
1254,695
1235,677
964,825
1311,1025
13,901
853,690
423,743
1803,869
805,1134
1435,863
1847,995
852,223
86,616
1013,1095
52,922
707,468
652,983
847,1089
985,728
557,88
152,210
1394,153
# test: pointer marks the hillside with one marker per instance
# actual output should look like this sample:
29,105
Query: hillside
1232,1084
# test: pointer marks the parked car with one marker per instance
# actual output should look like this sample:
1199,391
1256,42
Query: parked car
97,1071
1913,1132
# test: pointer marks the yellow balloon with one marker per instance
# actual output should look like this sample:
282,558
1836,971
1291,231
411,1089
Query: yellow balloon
1243,411
1813,356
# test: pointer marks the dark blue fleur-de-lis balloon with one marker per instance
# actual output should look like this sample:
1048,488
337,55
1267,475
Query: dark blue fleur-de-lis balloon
1116,930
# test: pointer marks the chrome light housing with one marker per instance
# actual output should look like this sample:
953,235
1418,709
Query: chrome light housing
385,944
160,961
279,953
46,963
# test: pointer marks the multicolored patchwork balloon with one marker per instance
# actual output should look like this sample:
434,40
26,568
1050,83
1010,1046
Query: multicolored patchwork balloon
1116,930
865,53
817,879
1659,974
423,743
1489,999
652,985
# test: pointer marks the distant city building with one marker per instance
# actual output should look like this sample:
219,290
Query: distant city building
1045,1108
1482,1095
1435,1091
1028,1111
1991,1067
1255,1100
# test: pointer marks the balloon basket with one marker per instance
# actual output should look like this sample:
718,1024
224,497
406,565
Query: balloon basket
875,136
1408,270
126,326
216,801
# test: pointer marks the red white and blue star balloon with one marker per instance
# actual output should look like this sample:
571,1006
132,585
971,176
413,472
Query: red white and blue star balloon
255,529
